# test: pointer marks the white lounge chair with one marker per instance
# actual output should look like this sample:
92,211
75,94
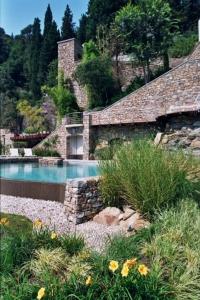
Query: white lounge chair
28,152
14,152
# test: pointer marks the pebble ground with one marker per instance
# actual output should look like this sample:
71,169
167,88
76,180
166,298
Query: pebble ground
53,215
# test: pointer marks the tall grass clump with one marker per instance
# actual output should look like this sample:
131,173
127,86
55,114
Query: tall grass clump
147,177
175,247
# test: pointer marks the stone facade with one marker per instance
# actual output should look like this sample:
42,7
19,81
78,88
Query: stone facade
82,199
139,113
61,133
106,135
126,71
182,132
174,92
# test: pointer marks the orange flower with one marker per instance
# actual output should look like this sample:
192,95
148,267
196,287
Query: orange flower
131,262
143,270
113,265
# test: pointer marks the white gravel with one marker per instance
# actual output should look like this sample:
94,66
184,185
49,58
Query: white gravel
52,214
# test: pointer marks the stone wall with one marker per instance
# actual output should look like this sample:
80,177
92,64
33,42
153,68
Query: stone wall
174,92
102,136
61,133
82,199
127,71
182,132
69,54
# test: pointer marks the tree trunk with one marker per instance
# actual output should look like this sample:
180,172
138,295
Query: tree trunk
166,61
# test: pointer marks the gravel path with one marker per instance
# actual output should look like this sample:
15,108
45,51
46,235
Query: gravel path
53,215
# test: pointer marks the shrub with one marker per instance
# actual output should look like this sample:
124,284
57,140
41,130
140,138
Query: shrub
183,45
175,247
20,145
146,177
96,75
46,152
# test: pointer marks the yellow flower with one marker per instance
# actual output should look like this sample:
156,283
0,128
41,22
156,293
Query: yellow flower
4,221
125,270
143,270
41,293
37,224
88,280
131,262
113,266
53,235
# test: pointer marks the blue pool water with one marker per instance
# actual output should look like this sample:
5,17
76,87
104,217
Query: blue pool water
55,174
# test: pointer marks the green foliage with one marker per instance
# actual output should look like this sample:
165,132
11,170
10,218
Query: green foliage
20,145
100,12
147,30
96,75
81,31
48,52
67,29
183,45
147,177
90,51
33,116
52,76
64,100
43,152
169,248
3,46
34,53
176,242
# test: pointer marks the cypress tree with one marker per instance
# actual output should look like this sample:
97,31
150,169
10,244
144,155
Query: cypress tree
34,54
49,45
67,29
82,29
48,19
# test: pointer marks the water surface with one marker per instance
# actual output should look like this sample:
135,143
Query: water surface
55,174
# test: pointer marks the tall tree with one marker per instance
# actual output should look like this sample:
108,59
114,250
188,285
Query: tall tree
81,32
146,28
48,19
49,45
4,47
34,54
101,12
67,29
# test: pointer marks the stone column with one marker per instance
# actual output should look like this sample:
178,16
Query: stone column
86,136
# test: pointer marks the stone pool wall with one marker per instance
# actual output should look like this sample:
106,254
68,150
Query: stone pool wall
82,199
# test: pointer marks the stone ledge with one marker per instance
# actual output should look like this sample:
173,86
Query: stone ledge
51,161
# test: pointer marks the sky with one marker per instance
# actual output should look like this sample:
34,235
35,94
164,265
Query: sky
17,14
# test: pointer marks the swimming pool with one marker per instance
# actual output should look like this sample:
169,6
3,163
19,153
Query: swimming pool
51,174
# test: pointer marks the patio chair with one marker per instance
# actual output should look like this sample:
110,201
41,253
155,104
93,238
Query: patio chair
14,152
28,152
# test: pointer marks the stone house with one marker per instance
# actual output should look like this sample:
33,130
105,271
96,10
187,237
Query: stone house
168,104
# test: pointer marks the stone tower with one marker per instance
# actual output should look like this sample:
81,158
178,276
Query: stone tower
69,55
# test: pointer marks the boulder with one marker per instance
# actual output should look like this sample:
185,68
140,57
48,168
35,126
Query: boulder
129,223
195,144
128,212
158,138
108,216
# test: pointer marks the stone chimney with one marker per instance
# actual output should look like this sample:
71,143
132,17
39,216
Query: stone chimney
69,55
